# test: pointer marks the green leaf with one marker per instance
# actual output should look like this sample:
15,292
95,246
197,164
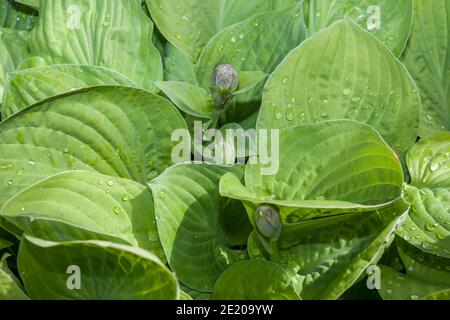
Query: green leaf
13,49
177,66
395,18
30,3
10,287
255,280
249,80
188,98
29,86
427,57
17,16
249,45
116,131
190,24
190,214
83,205
428,226
107,271
114,34
440,295
429,162
331,254
343,72
425,275
196,295
369,175
4,244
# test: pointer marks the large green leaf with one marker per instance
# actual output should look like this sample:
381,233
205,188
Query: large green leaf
16,16
10,287
249,45
427,57
13,49
29,86
107,271
395,18
255,280
336,165
428,226
114,34
30,3
190,24
329,255
343,72
84,205
191,215
117,131
425,275
177,66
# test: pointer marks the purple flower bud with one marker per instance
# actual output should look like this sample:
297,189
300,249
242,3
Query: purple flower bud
268,221
225,77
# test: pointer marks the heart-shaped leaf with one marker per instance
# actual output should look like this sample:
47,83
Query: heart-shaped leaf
427,57
332,75
255,280
191,216
29,86
390,21
84,205
98,33
428,226
92,270
117,131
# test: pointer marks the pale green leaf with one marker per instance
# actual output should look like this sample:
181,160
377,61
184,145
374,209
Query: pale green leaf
190,214
188,98
394,18
83,205
29,86
190,24
428,226
117,131
368,174
427,57
107,271
343,72
115,34
13,49
10,287
177,66
255,280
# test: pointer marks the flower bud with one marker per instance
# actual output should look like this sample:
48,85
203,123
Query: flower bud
225,77
225,81
268,221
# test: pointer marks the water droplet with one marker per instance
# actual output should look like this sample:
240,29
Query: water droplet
241,36
285,80
153,236
100,182
290,113
125,197
434,166
185,18
20,172
22,209
10,182
278,113
117,210
31,163
347,92
83,147
106,24
356,99
20,137
110,183
414,297
389,291
233,39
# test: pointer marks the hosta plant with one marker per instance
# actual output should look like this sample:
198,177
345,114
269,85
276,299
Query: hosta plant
115,119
